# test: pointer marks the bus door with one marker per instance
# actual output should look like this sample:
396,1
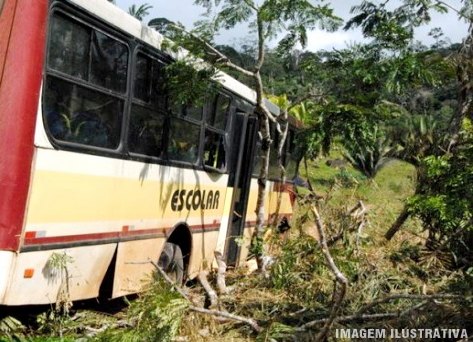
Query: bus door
242,154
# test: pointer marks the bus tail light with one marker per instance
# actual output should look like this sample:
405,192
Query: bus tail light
28,274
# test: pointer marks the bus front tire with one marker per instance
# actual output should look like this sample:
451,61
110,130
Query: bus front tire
172,262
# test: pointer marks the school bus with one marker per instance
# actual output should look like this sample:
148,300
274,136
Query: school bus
97,166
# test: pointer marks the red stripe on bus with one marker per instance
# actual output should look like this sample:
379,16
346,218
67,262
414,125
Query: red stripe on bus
31,239
250,224
19,91
30,235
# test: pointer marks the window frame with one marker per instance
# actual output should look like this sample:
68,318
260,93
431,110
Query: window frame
70,13
163,159
211,108
290,139
134,46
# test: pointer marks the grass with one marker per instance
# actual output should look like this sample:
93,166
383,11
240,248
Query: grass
384,196
299,288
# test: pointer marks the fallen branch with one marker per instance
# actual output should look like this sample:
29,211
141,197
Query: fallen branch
365,317
213,298
344,319
251,322
222,268
169,281
359,231
217,313
358,210
92,332
407,296
339,276
358,216
360,316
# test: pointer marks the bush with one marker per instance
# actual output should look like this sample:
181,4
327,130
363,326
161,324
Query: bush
367,151
444,201
156,316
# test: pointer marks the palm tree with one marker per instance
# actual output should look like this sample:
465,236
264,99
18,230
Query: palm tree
368,151
139,12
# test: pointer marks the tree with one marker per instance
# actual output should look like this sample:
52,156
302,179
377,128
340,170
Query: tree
268,18
141,11
434,158
368,151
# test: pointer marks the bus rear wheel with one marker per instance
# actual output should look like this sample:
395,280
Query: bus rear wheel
172,262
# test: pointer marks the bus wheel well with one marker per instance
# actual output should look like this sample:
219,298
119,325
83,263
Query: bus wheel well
182,237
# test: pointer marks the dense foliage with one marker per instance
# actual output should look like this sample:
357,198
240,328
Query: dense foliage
398,112
445,199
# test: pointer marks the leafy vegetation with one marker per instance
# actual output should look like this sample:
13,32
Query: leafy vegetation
299,287
387,123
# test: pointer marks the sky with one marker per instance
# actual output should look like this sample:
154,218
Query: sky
185,12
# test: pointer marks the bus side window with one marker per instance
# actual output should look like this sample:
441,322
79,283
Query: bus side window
215,146
184,131
184,137
79,115
214,150
290,158
85,85
147,114
108,62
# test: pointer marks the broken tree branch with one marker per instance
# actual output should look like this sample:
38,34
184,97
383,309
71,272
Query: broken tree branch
222,268
213,298
170,281
407,296
251,322
364,317
403,216
222,58
358,215
339,276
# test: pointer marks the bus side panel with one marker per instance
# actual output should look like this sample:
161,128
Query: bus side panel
286,206
78,199
6,261
204,244
19,90
133,266
270,206
226,216
39,278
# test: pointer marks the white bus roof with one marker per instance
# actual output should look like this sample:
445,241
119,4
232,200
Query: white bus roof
127,23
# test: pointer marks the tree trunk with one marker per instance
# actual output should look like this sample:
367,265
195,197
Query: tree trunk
465,92
281,145
340,291
257,239
403,216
